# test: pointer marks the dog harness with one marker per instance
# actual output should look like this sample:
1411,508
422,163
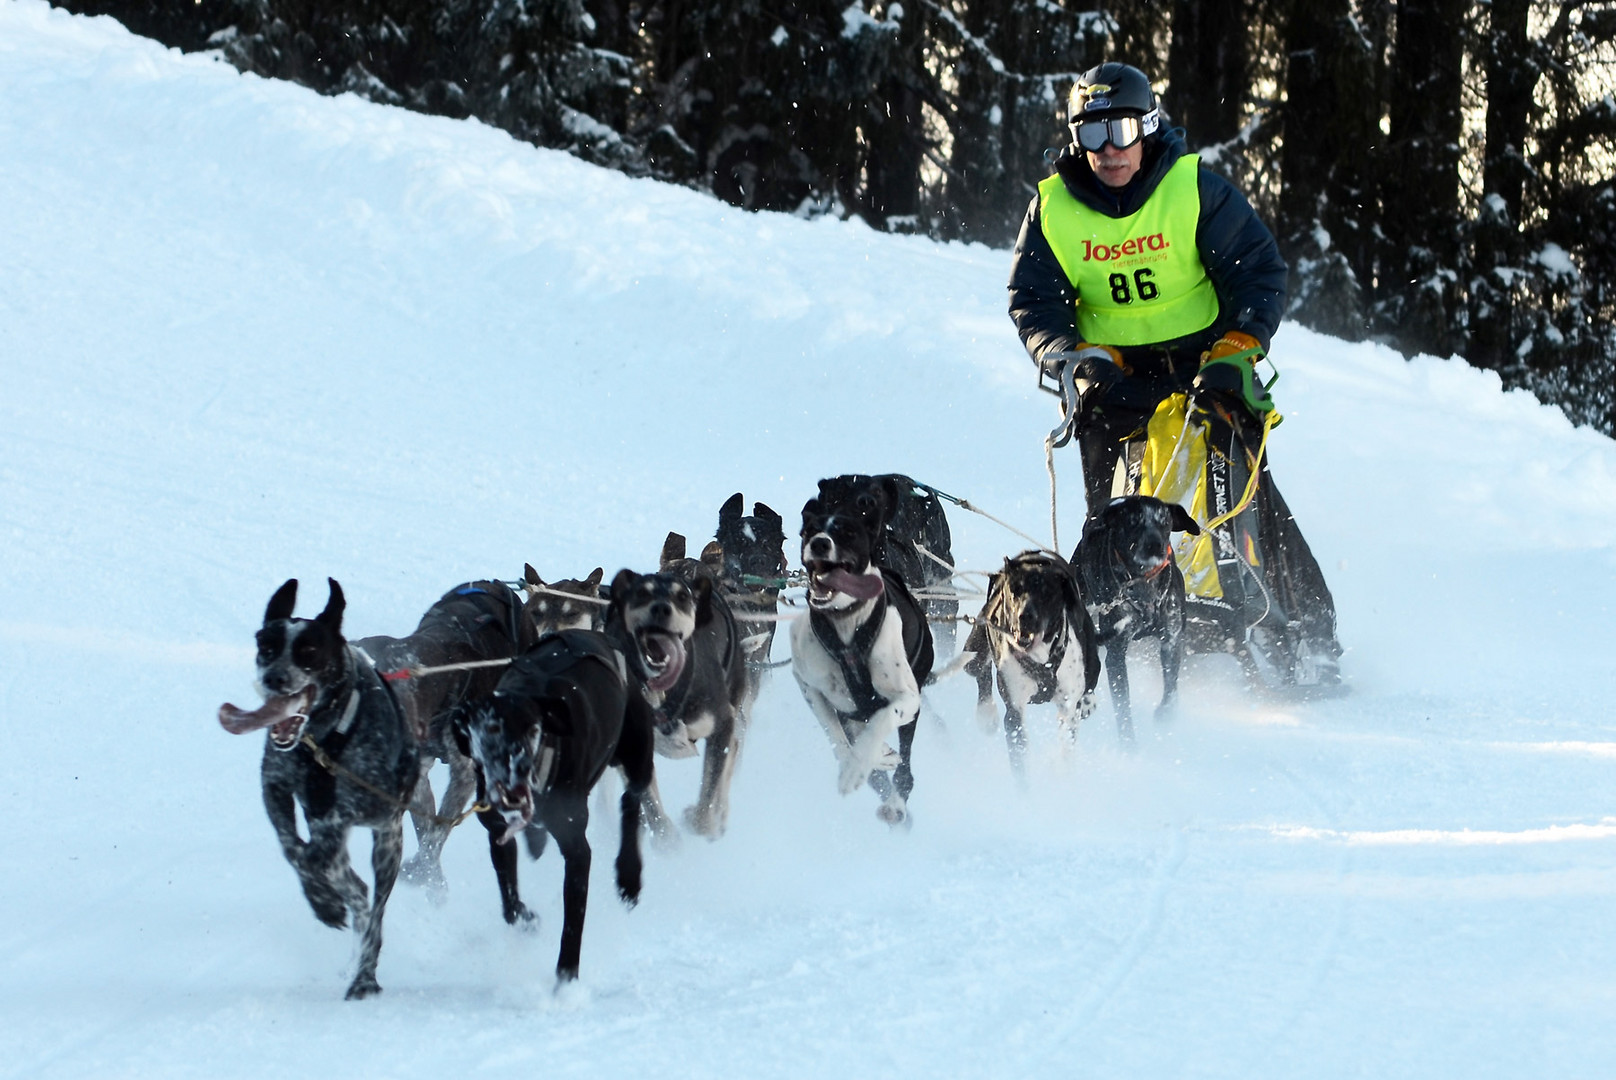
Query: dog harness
327,754
1043,674
852,658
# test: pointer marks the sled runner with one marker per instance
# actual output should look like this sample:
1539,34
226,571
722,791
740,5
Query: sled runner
1253,586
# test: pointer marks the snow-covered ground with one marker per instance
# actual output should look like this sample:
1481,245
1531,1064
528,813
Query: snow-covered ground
249,333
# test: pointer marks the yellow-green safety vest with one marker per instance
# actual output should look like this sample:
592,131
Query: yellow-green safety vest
1139,279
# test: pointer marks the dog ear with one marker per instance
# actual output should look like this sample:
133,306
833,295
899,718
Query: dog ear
621,584
530,575
730,513
332,615
703,590
282,603
1182,522
712,556
673,549
593,580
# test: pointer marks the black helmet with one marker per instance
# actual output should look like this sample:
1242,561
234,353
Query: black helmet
1112,102
1111,88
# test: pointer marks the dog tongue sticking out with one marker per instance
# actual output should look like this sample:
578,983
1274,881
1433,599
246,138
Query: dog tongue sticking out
284,713
858,586
665,657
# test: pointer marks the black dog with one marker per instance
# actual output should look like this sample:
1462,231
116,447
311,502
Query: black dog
562,712
684,650
1133,589
478,623
1035,631
340,747
865,650
754,569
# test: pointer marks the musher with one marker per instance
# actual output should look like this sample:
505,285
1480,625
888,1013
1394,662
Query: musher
1140,277
1135,257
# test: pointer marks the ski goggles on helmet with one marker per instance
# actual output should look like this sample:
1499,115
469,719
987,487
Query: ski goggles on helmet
1120,131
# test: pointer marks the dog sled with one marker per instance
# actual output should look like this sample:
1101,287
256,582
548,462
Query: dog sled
1253,588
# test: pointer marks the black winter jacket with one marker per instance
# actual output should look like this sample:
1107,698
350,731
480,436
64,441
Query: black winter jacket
1241,258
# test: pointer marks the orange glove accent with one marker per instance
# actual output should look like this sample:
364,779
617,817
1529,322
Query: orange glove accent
1232,342
1109,350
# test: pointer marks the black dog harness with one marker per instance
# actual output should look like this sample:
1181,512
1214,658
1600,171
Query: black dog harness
327,754
1043,674
852,658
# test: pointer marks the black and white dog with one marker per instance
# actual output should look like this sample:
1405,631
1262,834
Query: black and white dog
1134,590
474,623
865,650
1036,633
684,649
339,746
915,543
563,712
754,568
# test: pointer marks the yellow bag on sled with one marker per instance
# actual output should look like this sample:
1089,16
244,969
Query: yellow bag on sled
1252,585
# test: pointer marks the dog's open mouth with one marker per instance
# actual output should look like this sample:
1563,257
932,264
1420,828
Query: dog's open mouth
516,807
663,656
285,715
828,580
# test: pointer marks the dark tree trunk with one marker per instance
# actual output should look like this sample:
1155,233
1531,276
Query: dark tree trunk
1511,72
1207,69
1420,269
1327,209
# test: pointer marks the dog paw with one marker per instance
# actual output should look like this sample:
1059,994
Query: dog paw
363,986
987,718
628,881
330,910
426,875
895,814
854,773
519,916
703,822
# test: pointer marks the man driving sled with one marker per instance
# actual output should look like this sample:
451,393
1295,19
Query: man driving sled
1148,289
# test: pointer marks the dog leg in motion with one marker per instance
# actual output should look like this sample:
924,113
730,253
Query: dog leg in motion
1172,658
1116,674
569,821
894,789
386,853
503,856
709,816
423,868
980,668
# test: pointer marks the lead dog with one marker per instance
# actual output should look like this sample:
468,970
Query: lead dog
562,712
340,747
1134,590
684,649
865,650
1035,632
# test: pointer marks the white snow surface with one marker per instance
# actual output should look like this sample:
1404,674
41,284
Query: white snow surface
250,333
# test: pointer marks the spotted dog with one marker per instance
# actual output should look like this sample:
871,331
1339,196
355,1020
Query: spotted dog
339,746
562,713
1036,634
1134,590
865,650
